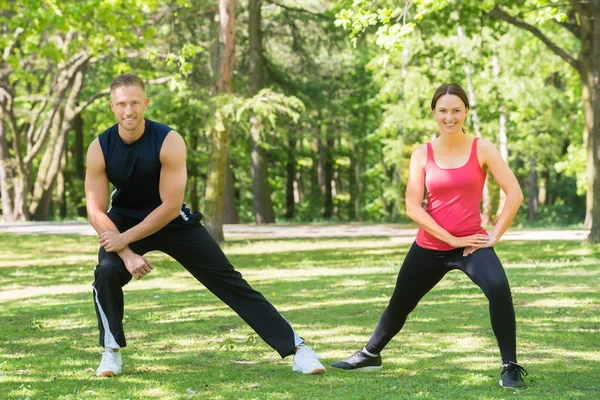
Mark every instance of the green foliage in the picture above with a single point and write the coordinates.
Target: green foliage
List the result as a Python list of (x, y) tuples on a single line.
[(268, 105), (574, 165), (348, 81)]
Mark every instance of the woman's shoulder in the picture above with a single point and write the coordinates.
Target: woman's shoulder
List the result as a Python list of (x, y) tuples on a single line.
[(420, 151), (419, 156), (485, 144), (486, 150)]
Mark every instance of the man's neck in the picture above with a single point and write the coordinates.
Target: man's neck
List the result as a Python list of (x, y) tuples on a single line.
[(131, 136)]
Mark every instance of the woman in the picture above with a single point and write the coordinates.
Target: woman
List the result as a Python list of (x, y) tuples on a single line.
[(453, 167)]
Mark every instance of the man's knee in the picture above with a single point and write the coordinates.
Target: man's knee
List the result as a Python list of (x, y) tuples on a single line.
[(109, 269)]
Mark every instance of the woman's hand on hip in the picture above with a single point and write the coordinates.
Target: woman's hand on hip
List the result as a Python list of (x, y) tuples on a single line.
[(476, 240), (491, 242)]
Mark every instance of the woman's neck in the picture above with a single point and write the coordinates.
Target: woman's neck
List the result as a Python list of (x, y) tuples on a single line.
[(450, 141)]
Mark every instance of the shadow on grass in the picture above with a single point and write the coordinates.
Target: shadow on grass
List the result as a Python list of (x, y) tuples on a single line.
[(181, 337)]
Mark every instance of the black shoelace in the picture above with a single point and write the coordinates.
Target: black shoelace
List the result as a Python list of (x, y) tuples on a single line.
[(357, 356), (515, 370)]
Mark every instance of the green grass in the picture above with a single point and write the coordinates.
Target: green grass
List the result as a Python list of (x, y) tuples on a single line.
[(332, 291)]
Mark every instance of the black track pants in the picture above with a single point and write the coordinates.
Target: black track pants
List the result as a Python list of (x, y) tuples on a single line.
[(193, 247), (422, 269)]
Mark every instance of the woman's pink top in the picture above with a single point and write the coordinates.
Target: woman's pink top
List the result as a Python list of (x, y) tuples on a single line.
[(453, 199)]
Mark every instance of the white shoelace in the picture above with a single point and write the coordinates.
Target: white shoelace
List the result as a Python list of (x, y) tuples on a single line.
[(310, 353)]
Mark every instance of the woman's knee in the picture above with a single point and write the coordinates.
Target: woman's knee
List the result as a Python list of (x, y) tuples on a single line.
[(498, 288)]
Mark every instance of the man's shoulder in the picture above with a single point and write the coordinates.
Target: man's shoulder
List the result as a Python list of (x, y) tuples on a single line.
[(159, 127), (107, 131)]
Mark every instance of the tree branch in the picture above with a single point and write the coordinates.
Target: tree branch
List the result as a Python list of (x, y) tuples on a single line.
[(571, 27), (582, 8), (8, 49), (520, 23), (62, 83), (300, 10), (104, 92)]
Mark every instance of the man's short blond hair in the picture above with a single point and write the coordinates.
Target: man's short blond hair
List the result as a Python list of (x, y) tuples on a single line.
[(127, 80)]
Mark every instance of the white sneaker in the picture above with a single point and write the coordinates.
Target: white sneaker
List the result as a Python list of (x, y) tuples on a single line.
[(306, 361), (111, 363)]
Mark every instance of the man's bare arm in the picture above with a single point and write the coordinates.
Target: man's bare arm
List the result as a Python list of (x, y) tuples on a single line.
[(173, 179), (96, 196)]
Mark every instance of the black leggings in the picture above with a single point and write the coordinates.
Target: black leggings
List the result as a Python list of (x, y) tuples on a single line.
[(191, 245), (422, 269)]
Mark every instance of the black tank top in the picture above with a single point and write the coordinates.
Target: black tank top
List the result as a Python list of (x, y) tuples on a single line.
[(134, 171)]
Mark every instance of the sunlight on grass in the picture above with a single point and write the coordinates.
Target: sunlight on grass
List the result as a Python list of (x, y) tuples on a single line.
[(281, 246), (143, 285), (556, 303), (84, 259), (588, 355), (180, 336), (545, 289), (319, 304), (467, 344)]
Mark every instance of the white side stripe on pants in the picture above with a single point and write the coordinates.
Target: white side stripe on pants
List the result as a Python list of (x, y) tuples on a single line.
[(109, 339)]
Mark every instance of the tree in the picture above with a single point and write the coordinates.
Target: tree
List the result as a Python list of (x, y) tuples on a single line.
[(579, 18), (261, 192), (215, 186), (582, 20), (47, 52)]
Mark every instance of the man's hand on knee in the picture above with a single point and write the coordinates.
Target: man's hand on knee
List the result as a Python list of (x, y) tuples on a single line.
[(113, 241), (138, 266)]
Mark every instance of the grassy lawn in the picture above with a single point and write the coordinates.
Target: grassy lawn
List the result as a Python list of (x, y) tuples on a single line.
[(185, 344)]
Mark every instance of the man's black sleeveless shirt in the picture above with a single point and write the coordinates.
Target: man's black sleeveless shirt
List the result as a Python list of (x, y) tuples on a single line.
[(134, 170)]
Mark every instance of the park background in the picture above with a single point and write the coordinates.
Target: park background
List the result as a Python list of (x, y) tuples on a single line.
[(301, 112)]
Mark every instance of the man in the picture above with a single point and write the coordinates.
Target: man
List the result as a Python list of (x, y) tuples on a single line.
[(145, 161)]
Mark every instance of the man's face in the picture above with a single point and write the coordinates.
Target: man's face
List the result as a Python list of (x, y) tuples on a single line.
[(129, 103)]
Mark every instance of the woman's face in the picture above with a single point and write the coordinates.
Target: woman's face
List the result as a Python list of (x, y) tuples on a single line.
[(450, 113)]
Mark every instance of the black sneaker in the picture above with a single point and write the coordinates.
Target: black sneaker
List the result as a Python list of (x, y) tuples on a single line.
[(511, 375), (359, 360)]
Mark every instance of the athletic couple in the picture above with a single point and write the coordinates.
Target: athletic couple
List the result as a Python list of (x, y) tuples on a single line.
[(145, 162)]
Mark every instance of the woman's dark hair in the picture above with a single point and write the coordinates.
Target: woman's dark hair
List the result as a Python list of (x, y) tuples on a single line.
[(449, 88)]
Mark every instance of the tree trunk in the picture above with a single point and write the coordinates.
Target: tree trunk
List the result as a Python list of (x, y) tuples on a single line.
[(314, 190), (13, 172), (231, 215), (61, 127), (357, 182), (322, 154), (215, 185), (532, 198), (263, 207), (61, 198), (486, 215), (326, 163), (503, 148), (588, 114), (194, 196), (7, 192), (78, 152), (593, 79), (352, 185), (290, 178), (194, 204), (503, 142), (587, 25), (261, 191), (48, 173), (542, 189)]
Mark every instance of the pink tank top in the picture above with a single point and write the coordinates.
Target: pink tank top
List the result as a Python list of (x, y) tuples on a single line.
[(453, 199)]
